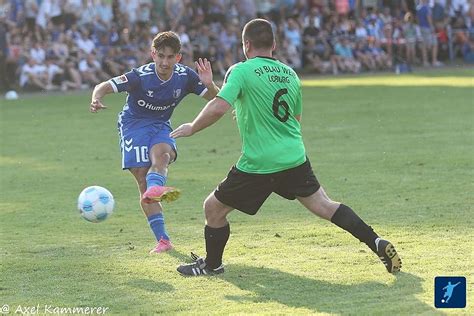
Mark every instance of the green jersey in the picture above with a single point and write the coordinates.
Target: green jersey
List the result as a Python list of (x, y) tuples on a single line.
[(266, 95)]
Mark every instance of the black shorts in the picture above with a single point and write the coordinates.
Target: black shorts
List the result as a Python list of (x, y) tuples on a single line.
[(246, 192)]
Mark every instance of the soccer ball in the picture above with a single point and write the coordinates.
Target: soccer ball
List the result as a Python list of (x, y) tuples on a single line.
[(11, 95), (95, 203)]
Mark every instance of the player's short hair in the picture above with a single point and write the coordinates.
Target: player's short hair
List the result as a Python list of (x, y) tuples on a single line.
[(167, 39), (259, 33)]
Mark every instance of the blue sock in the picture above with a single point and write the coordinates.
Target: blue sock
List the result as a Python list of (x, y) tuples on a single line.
[(157, 225), (153, 178)]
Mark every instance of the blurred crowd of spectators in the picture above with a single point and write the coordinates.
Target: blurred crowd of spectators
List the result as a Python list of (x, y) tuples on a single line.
[(75, 44)]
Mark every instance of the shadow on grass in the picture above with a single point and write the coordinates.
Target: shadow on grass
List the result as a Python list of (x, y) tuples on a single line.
[(150, 285), (180, 256), (270, 285)]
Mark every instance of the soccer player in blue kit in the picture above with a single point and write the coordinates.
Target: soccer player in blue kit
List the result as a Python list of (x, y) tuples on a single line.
[(154, 90)]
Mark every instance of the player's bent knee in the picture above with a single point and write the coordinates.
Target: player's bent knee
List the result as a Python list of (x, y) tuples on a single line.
[(166, 157), (209, 204), (213, 209), (163, 159)]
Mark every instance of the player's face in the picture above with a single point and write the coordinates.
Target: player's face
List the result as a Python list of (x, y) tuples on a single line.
[(165, 59)]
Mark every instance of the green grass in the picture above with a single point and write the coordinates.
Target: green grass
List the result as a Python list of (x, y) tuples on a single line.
[(398, 149)]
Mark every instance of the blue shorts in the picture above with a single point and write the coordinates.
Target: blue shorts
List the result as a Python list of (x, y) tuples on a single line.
[(136, 141)]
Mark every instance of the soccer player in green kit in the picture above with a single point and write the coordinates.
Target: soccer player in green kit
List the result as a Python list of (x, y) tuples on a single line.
[(266, 97)]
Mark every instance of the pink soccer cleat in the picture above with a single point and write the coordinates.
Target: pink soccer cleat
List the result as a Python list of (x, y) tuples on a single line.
[(158, 193), (162, 246)]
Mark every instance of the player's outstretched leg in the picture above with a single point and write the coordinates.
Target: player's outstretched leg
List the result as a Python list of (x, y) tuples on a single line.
[(344, 217), (348, 220), (388, 255), (159, 194), (156, 177), (153, 213), (199, 267)]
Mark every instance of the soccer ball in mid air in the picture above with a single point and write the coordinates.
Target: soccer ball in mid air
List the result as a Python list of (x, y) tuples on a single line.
[(95, 203)]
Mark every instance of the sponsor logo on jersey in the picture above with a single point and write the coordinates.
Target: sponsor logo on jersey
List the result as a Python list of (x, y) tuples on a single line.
[(152, 107), (121, 79)]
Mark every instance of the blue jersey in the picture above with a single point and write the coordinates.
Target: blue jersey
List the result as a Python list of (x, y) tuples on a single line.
[(152, 100)]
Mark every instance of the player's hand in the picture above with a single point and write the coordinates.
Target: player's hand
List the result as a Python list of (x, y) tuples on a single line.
[(96, 105), (204, 70), (183, 130)]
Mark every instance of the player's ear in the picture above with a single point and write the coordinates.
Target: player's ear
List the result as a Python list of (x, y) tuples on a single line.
[(178, 57), (152, 53)]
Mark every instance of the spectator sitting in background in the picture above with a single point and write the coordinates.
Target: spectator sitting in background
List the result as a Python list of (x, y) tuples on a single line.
[(129, 57), (110, 64), (362, 54), (382, 59), (460, 33), (310, 30), (59, 48), (85, 43), (34, 76), (322, 47), (344, 57), (361, 31), (91, 70), (311, 58), (73, 75), (468, 51), (292, 54), (38, 53), (57, 76), (216, 57)]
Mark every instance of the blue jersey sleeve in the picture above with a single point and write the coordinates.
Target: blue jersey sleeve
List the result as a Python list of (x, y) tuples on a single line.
[(194, 83), (126, 82)]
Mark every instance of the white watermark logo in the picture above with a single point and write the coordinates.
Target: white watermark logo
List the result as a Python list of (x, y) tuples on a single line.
[(53, 310), (5, 309)]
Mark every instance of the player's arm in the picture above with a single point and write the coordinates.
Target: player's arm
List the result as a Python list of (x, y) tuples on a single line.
[(204, 69), (212, 91), (99, 92), (299, 106), (210, 114), (126, 82)]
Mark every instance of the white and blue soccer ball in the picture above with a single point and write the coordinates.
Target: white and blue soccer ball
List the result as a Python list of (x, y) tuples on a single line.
[(11, 95), (95, 203)]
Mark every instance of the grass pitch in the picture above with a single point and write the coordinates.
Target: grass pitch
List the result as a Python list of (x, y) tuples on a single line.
[(397, 149)]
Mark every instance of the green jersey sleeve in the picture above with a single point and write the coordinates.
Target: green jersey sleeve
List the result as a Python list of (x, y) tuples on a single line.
[(298, 105), (233, 85)]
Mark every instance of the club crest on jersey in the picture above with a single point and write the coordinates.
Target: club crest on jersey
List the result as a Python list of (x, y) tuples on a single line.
[(121, 79), (150, 93), (176, 93)]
